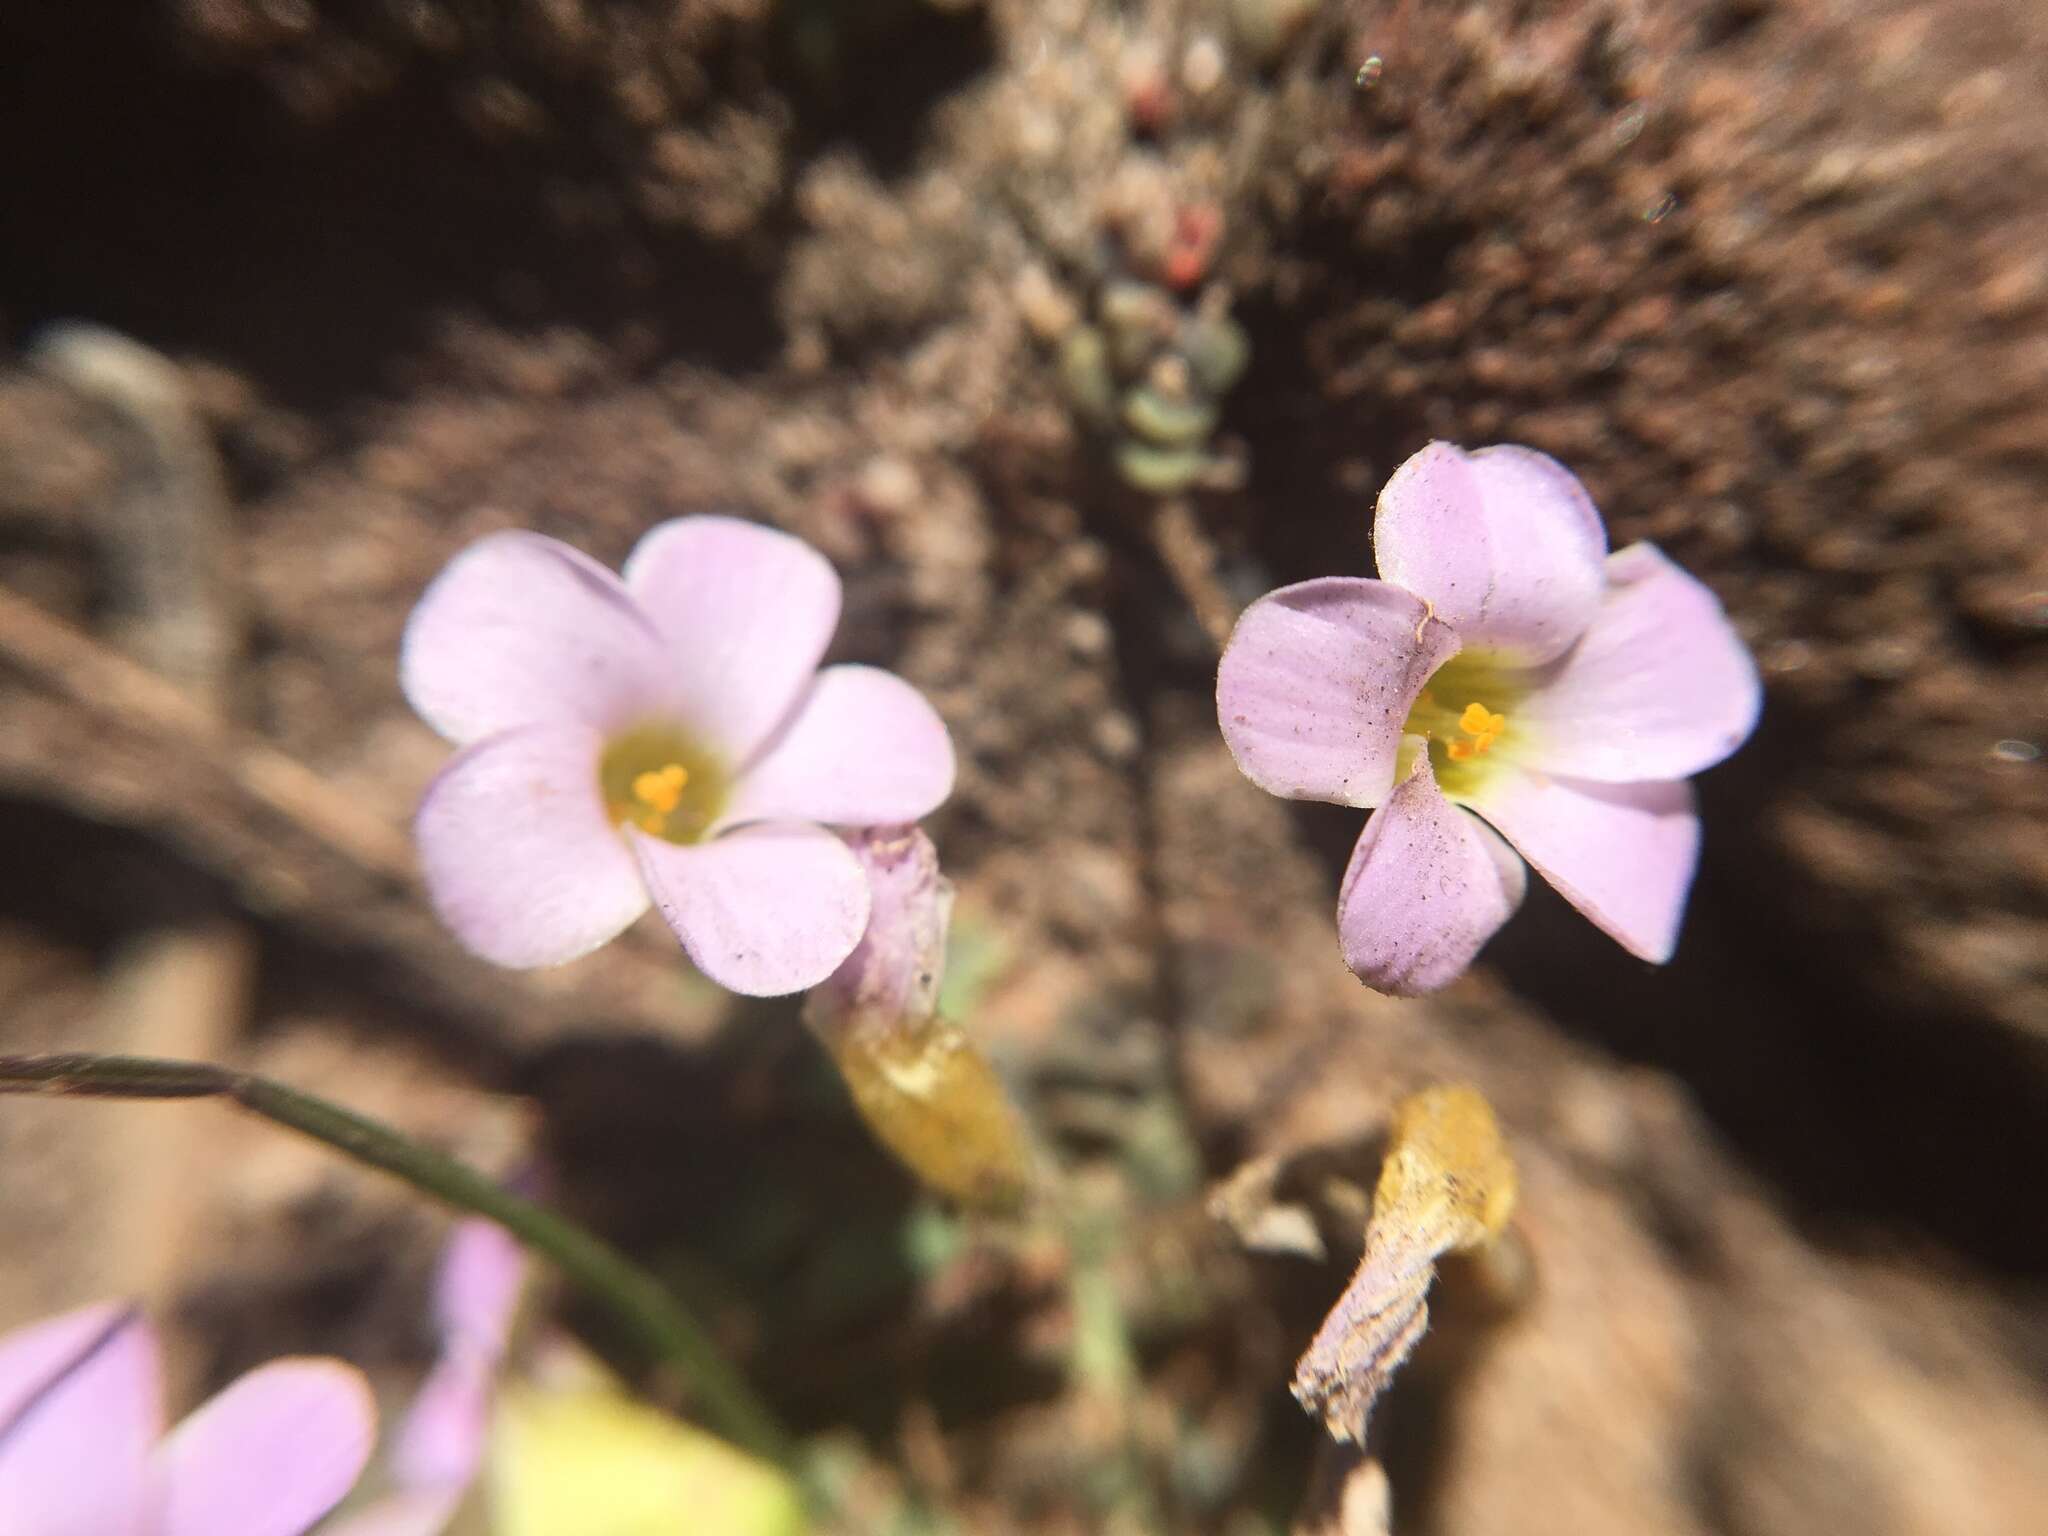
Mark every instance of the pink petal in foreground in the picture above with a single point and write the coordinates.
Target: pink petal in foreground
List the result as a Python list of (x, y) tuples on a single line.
[(483, 1270), (439, 1447), (1659, 687), (519, 857), (270, 1455), (1505, 542), (1316, 682), (74, 1451), (1623, 854), (863, 749), (765, 910), (440, 1444), (745, 612), (34, 1357), (521, 629), (1428, 884)]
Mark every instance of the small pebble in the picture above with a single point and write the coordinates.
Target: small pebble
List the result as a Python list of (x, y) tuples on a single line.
[(1088, 635), (1116, 736), (1171, 376), (1202, 66), (889, 484), (1047, 307)]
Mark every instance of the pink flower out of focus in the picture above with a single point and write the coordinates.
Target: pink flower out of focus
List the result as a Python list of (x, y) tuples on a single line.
[(1507, 665), (665, 735), (83, 1453), (440, 1445)]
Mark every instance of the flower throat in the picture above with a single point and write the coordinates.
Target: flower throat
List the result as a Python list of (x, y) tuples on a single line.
[(657, 779), (1465, 718)]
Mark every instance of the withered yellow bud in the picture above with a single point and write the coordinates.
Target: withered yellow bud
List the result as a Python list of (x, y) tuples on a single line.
[(922, 1085), (1447, 1171), (1447, 1184)]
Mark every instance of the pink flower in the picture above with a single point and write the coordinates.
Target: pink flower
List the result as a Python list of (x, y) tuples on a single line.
[(82, 1450), (1507, 665), (439, 1448), (668, 735)]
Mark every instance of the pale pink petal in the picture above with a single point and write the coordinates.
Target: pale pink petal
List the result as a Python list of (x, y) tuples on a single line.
[(402, 1514), (522, 629), (519, 857), (1623, 854), (746, 612), (483, 1270), (863, 749), (74, 1447), (271, 1454), (764, 910), (1428, 884), (1316, 682), (1505, 542), (441, 1442), (1660, 687), (33, 1357)]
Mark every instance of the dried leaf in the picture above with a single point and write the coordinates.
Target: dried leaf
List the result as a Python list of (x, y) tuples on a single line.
[(1447, 1185)]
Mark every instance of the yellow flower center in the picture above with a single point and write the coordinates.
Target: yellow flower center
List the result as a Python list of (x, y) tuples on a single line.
[(655, 778), (1456, 719), (661, 790), (1482, 728)]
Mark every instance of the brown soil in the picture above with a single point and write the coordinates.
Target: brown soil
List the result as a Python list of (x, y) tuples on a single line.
[(1767, 273)]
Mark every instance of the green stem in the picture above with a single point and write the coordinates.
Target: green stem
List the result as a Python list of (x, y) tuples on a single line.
[(642, 1302)]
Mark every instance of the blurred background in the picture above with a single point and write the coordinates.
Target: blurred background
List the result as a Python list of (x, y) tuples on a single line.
[(1064, 329)]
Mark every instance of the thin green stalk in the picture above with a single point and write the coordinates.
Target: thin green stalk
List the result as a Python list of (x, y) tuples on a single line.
[(640, 1301)]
